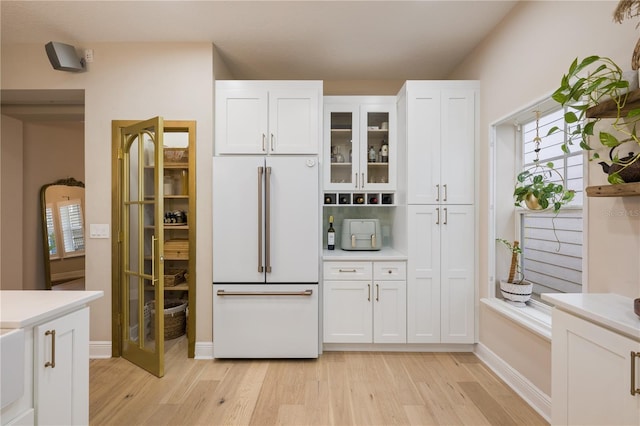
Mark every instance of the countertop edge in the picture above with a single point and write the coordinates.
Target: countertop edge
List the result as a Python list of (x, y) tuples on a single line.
[(610, 310), (384, 254), (72, 303)]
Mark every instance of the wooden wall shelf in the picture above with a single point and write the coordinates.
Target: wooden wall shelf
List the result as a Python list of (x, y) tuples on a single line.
[(619, 190), (607, 109)]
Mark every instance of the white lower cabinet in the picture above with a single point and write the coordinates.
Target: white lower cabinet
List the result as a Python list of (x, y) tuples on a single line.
[(441, 274), (593, 373), (61, 384), (364, 302)]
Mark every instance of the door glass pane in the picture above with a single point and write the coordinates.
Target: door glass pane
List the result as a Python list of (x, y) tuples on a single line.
[(149, 320), (341, 147), (134, 298), (378, 147), (133, 168)]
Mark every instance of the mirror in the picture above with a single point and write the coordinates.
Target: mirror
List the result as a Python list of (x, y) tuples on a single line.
[(62, 207)]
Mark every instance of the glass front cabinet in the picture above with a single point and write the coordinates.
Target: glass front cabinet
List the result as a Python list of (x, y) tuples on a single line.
[(359, 146)]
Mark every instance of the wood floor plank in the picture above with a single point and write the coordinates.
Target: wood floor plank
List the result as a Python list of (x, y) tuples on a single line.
[(339, 388)]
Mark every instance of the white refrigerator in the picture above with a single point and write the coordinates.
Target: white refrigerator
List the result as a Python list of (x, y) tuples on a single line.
[(265, 256)]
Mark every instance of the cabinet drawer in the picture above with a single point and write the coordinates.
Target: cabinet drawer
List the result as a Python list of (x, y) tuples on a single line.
[(389, 271), (347, 270)]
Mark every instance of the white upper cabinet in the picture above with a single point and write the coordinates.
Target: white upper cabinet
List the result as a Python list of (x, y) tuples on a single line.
[(441, 136), (263, 117), (360, 143)]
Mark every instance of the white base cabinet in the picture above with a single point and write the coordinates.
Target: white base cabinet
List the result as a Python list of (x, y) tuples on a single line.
[(62, 370), (593, 373), (364, 302), (56, 356)]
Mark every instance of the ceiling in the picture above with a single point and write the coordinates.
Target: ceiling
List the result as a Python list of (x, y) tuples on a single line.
[(324, 40)]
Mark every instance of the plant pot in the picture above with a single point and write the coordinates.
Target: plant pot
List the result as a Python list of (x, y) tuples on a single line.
[(531, 201), (516, 294)]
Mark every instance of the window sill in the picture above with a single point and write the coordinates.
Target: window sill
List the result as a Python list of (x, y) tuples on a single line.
[(536, 320)]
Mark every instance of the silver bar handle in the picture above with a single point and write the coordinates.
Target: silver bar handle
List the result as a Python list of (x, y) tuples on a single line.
[(634, 391), (264, 293), (438, 216), (369, 292), (271, 141), (446, 216), (260, 173), (267, 215), (438, 192), (264, 147), (362, 180), (346, 270), (377, 292), (356, 176), (445, 192), (51, 363)]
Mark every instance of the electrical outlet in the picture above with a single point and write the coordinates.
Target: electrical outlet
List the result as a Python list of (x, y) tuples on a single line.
[(88, 55)]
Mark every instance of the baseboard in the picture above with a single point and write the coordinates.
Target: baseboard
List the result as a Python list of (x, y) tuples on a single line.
[(100, 350), (399, 347), (204, 350), (538, 400)]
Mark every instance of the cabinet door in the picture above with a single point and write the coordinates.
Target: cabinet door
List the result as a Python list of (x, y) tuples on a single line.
[(389, 312), (377, 147), (591, 376), (347, 312), (62, 370), (423, 146), (423, 285), (457, 286), (341, 147), (294, 121), (241, 120), (457, 146)]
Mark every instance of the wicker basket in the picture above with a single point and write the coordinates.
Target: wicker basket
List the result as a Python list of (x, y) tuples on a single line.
[(175, 318)]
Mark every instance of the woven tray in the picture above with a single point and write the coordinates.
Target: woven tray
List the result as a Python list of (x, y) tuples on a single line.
[(173, 277)]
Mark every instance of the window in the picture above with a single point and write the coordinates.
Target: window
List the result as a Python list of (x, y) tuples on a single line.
[(552, 244)]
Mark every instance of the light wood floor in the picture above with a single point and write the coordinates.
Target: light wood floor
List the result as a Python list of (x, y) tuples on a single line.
[(340, 388)]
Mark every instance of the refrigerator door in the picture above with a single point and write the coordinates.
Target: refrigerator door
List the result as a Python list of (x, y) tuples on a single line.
[(238, 220), (291, 219)]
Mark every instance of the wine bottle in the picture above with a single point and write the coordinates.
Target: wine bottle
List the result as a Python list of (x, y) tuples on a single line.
[(331, 235)]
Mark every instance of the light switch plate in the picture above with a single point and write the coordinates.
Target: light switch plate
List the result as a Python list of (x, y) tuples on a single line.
[(99, 230)]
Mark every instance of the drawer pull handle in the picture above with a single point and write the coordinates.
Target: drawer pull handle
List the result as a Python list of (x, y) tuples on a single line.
[(368, 292), (265, 293), (377, 292), (634, 390), (347, 270), (51, 363)]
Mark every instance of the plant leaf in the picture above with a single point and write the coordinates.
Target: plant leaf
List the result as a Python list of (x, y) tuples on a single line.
[(607, 139)]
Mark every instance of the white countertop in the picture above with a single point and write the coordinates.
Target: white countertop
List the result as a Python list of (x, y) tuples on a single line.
[(24, 308), (385, 253), (607, 309)]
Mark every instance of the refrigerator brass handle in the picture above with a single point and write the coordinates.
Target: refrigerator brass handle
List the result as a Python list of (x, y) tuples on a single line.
[(369, 292), (51, 363), (264, 293), (445, 192), (634, 390), (271, 142), (260, 173), (267, 218), (438, 192), (377, 292), (446, 216), (264, 147), (438, 216)]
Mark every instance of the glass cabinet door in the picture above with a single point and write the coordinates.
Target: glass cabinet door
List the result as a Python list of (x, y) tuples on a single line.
[(342, 148), (375, 148)]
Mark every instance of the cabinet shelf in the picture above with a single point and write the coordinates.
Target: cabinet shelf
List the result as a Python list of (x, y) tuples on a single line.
[(619, 190), (608, 109)]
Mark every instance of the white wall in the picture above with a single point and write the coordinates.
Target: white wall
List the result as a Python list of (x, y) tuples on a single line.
[(522, 61), (131, 81)]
